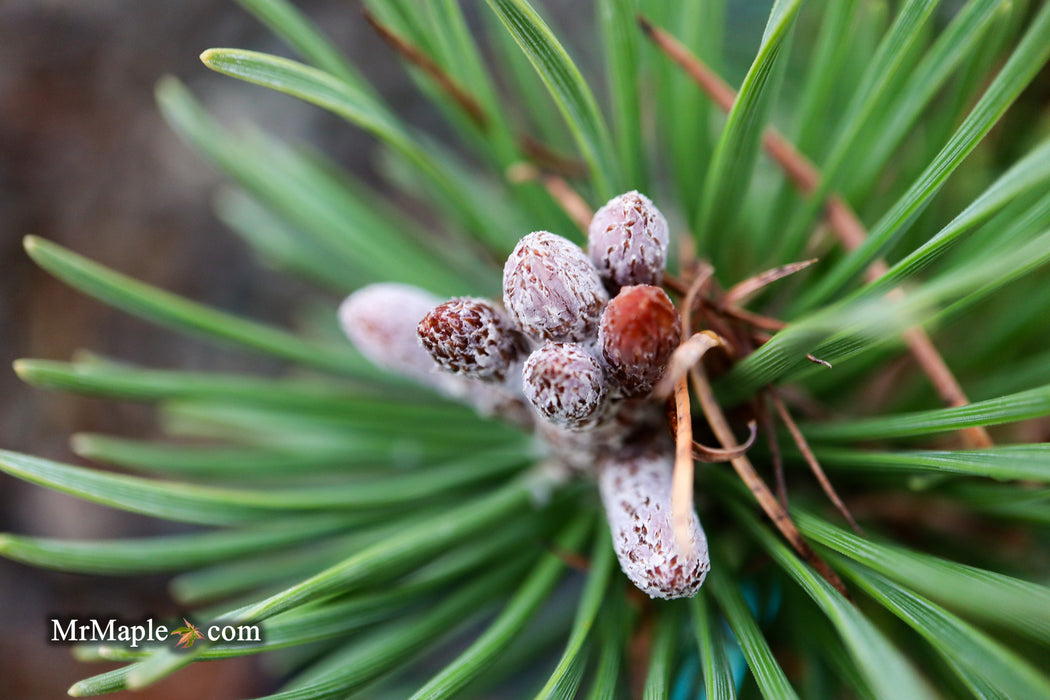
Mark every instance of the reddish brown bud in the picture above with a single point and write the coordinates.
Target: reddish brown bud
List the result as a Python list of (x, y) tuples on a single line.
[(628, 239), (551, 289), (638, 332), (565, 384), (636, 493), (469, 336)]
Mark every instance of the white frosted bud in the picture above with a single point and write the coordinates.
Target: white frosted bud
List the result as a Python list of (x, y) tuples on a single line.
[(565, 384), (470, 336), (639, 330), (628, 239), (636, 492), (381, 321), (552, 290)]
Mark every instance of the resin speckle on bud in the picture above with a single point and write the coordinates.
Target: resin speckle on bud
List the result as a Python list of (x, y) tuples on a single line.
[(470, 336), (381, 321), (565, 383), (636, 492), (552, 290), (639, 330), (628, 240)]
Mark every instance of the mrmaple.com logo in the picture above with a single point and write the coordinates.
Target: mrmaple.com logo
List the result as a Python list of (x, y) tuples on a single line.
[(112, 631)]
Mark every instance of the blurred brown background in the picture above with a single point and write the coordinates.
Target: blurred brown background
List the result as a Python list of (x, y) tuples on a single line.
[(87, 161)]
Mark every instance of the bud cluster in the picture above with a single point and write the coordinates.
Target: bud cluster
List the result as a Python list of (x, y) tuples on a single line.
[(566, 359)]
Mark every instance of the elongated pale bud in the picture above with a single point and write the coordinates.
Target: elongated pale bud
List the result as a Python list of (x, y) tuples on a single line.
[(636, 492), (628, 239), (565, 383), (381, 321), (639, 330), (470, 336), (552, 290)]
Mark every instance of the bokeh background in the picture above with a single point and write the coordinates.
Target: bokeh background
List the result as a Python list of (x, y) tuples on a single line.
[(87, 161)]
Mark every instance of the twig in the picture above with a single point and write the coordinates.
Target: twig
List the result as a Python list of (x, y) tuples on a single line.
[(811, 460), (733, 343), (685, 356), (817, 361), (767, 323), (640, 646), (682, 479), (675, 285), (774, 450), (944, 382), (420, 60), (702, 276), (844, 223), (549, 159), (746, 471), (688, 353), (740, 291), (723, 95), (714, 455), (571, 559), (560, 191)]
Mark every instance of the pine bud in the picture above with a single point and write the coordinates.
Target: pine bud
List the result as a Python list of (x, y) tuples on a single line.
[(551, 289), (628, 239), (636, 493), (565, 384), (470, 336), (381, 321), (638, 332)]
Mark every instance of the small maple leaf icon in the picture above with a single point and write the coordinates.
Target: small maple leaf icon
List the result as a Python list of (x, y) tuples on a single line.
[(187, 635)]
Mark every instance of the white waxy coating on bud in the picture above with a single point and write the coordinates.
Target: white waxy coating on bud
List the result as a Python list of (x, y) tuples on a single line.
[(628, 239), (381, 319), (470, 336), (636, 493), (565, 384), (552, 290)]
